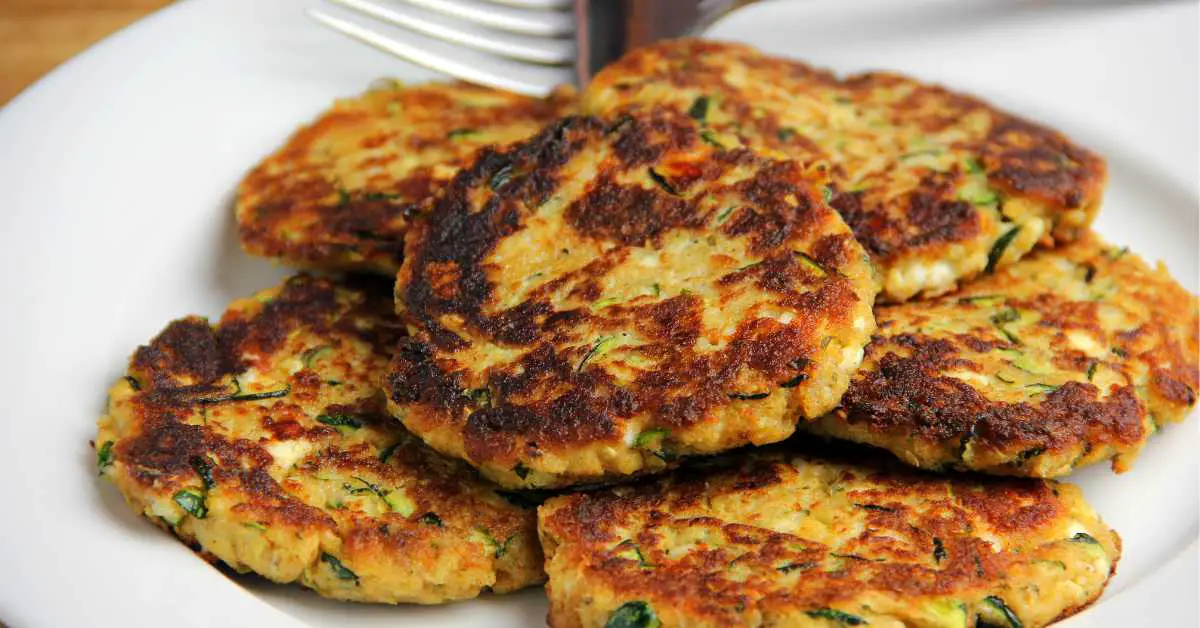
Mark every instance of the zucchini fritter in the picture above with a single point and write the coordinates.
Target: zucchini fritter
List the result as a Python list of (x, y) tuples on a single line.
[(613, 294), (1066, 358), (783, 538), (340, 193), (263, 442), (938, 186)]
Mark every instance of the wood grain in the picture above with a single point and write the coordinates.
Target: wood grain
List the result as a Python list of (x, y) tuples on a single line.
[(38, 35)]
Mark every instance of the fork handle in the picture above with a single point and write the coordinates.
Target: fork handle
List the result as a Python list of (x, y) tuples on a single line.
[(607, 29)]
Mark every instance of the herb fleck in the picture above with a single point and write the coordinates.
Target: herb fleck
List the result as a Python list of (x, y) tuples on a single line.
[(338, 568)]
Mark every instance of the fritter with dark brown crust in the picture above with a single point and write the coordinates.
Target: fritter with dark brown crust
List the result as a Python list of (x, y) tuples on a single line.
[(611, 295), (340, 193), (784, 538), (1066, 358), (937, 185), (263, 443)]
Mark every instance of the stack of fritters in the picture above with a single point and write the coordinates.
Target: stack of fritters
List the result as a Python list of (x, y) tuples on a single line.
[(685, 262)]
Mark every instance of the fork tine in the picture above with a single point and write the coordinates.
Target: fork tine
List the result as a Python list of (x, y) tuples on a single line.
[(536, 4), (523, 21), (540, 50), (537, 82)]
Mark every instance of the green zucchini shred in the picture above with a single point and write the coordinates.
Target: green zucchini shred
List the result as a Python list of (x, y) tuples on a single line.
[(463, 132), (367, 487), (1084, 537), (637, 553), (858, 558), (792, 382), (501, 177), (814, 265), (662, 182), (921, 153), (984, 299), (699, 108), (748, 396), (1008, 335), (785, 133), (939, 550), (998, 249), (133, 383), (192, 502), (986, 197), (312, 354), (650, 436), (104, 456), (499, 548), (339, 421), (431, 518), (1029, 454), (387, 453), (1042, 388), (521, 470), (710, 138), (841, 617), (795, 566), (238, 395), (267, 394), (378, 196), (203, 469), (339, 570), (635, 614), (598, 348), (1004, 610), (481, 396), (1007, 315)]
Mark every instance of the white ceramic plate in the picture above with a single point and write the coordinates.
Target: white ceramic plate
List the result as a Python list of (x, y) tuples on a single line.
[(116, 174)]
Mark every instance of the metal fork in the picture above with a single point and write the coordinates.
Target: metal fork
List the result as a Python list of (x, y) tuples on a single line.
[(526, 46)]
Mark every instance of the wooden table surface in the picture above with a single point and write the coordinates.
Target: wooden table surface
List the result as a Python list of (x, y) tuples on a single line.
[(37, 35)]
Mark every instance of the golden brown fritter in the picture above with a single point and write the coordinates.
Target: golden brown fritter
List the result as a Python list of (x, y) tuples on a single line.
[(781, 537), (1066, 358), (938, 186), (340, 193), (263, 443), (613, 294)]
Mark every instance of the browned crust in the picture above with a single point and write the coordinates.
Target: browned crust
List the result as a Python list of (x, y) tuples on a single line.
[(545, 400), (1112, 572), (895, 219), (180, 418), (903, 394), (912, 395), (911, 518), (294, 206)]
